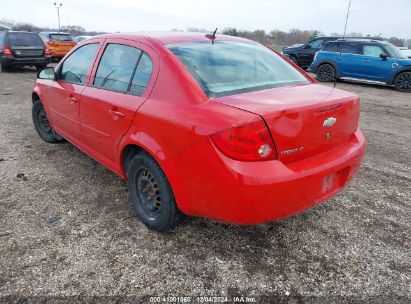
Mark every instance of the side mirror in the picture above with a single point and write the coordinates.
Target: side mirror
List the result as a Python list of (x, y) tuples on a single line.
[(47, 73), (307, 46), (383, 56)]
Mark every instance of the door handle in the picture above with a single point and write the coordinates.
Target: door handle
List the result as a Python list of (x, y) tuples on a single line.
[(72, 99), (367, 60), (116, 114)]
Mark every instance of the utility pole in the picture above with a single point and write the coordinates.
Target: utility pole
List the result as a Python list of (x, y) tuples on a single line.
[(58, 7)]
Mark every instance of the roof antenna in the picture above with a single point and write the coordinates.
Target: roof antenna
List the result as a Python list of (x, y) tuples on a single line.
[(345, 30), (212, 36)]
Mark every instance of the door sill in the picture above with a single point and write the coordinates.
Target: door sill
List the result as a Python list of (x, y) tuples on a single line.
[(364, 81)]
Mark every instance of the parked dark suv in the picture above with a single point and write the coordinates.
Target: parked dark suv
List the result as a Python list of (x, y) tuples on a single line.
[(18, 48), (303, 55)]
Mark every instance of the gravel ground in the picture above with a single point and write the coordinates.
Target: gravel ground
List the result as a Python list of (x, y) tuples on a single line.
[(68, 231)]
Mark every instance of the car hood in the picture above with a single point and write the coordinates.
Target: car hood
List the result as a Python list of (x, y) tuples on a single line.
[(405, 61), (290, 49)]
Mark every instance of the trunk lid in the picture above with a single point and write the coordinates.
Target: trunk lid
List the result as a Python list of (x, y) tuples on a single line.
[(304, 120), (62, 45), (27, 51)]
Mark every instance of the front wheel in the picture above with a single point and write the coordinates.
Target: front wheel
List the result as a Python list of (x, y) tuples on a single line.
[(293, 60), (325, 73), (42, 124), (403, 82), (151, 194), (40, 66)]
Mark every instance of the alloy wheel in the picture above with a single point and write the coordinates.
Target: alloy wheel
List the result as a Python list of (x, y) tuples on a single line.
[(403, 82), (325, 72)]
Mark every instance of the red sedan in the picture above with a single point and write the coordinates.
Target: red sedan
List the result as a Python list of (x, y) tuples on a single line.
[(218, 127)]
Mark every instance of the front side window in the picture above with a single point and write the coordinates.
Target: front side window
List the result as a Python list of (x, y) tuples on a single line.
[(316, 44), (116, 67), (372, 50), (350, 48), (76, 66), (142, 75), (332, 47), (226, 68)]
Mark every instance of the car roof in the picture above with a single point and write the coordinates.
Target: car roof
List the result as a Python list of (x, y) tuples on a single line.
[(21, 32), (362, 40), (172, 37), (54, 33)]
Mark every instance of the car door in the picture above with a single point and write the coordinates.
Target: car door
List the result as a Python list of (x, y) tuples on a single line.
[(119, 86), (374, 67), (307, 52), (64, 97), (349, 59)]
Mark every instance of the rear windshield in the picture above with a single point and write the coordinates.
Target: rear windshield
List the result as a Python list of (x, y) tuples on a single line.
[(25, 39), (227, 68), (60, 37)]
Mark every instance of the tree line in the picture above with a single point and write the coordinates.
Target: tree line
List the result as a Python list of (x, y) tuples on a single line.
[(275, 38)]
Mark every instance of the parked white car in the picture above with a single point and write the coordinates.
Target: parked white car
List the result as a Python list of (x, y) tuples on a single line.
[(81, 38)]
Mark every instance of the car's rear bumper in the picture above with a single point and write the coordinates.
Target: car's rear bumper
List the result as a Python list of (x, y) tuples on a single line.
[(255, 192), (10, 61)]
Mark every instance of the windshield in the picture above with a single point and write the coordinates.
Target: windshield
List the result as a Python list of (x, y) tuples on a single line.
[(395, 52), (25, 39), (226, 68), (60, 37)]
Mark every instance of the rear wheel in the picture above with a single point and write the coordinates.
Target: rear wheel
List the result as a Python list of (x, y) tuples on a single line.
[(42, 124), (325, 73), (151, 194), (3, 67), (403, 82)]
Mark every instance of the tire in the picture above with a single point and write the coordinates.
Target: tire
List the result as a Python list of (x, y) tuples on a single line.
[(325, 73), (3, 67), (40, 66), (293, 59), (403, 82), (42, 124), (151, 194)]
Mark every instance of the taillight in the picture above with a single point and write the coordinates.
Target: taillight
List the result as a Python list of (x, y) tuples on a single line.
[(6, 51), (46, 51), (249, 142)]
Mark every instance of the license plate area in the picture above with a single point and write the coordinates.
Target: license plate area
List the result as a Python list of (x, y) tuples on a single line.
[(334, 181)]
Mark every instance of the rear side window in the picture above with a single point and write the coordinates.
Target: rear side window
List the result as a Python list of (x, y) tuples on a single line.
[(350, 48), (116, 67), (372, 50), (76, 66), (142, 75), (24, 39), (60, 37), (2, 35), (332, 47)]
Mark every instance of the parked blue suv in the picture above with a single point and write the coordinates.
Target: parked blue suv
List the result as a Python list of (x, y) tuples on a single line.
[(371, 61)]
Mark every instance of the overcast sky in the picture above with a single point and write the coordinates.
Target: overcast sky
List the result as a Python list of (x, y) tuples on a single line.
[(388, 17)]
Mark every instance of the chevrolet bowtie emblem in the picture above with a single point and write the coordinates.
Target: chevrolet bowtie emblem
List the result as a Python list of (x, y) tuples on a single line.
[(329, 122)]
